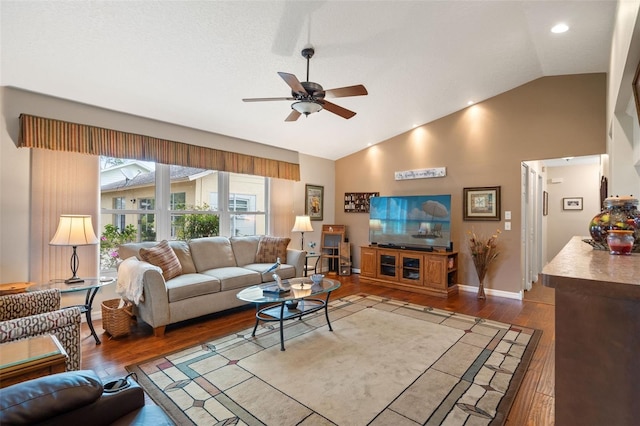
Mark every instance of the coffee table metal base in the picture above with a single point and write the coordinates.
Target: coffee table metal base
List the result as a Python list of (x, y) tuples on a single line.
[(279, 312)]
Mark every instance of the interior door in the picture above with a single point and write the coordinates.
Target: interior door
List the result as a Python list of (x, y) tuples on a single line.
[(524, 227)]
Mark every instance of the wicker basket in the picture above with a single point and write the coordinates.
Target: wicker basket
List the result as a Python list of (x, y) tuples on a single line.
[(116, 320)]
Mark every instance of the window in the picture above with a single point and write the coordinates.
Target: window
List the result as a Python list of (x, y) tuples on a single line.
[(155, 201), (119, 220), (146, 221)]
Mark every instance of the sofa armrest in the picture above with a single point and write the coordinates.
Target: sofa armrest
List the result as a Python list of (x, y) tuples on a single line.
[(67, 398), (107, 409), (297, 258), (44, 398), (63, 323), (154, 310)]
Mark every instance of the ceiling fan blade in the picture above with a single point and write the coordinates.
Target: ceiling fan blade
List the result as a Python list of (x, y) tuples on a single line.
[(341, 92), (293, 82), (337, 109), (267, 99), (293, 116)]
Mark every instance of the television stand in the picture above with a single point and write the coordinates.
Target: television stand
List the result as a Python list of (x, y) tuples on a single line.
[(434, 273)]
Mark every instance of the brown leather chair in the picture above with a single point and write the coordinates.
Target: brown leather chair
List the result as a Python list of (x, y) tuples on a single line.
[(76, 397)]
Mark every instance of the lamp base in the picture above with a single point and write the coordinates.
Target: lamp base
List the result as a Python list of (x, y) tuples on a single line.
[(73, 280)]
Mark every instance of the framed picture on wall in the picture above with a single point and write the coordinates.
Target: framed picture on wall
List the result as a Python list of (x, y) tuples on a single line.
[(314, 201), (481, 203), (358, 202), (572, 203)]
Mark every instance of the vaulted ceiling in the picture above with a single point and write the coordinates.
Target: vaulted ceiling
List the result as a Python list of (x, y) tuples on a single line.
[(192, 62)]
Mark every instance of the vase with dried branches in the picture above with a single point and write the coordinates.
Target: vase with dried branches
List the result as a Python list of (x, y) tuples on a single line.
[(484, 252)]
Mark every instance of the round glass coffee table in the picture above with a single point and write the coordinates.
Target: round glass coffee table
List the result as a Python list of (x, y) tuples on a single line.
[(301, 300), (91, 285)]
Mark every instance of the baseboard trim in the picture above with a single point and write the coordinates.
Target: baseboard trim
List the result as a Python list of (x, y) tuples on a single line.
[(491, 292), (473, 289)]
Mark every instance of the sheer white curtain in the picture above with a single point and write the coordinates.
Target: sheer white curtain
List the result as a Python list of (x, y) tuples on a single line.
[(61, 183)]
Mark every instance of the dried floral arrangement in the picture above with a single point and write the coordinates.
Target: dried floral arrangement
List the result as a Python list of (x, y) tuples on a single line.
[(484, 251)]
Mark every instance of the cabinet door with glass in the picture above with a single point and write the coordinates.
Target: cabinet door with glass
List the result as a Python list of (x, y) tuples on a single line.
[(411, 268), (388, 265)]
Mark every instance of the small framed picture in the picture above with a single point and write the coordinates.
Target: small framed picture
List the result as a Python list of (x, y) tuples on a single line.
[(314, 201), (481, 203), (572, 203)]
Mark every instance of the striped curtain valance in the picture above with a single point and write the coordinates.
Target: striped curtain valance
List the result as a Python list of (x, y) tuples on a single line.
[(58, 135)]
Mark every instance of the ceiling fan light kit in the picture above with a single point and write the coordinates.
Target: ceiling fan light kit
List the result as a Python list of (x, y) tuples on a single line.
[(309, 96), (306, 107)]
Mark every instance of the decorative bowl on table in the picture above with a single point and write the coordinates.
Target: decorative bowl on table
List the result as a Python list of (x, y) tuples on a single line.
[(317, 278)]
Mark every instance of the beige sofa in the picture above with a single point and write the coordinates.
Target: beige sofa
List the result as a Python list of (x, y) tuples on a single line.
[(214, 270)]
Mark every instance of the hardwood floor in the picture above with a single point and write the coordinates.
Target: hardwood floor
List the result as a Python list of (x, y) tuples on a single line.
[(534, 404)]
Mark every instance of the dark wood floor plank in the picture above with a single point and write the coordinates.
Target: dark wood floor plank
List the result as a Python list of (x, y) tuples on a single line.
[(534, 404)]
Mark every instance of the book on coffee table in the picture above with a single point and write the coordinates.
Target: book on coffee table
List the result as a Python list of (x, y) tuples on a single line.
[(274, 290)]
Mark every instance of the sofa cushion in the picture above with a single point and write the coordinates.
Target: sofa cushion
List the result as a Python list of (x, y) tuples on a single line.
[(37, 400), (163, 256), (182, 250), (272, 248), (233, 277), (245, 249), (285, 271), (186, 286), (212, 252)]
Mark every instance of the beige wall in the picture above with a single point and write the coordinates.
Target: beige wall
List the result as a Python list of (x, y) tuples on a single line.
[(482, 145), (314, 171), (623, 131)]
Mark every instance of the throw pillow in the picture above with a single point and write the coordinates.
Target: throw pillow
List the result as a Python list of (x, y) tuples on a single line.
[(272, 248), (163, 256)]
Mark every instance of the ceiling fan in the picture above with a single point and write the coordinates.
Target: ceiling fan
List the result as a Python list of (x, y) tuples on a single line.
[(309, 97)]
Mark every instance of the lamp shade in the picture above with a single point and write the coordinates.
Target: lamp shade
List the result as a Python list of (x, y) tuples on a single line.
[(306, 107), (74, 230), (303, 224)]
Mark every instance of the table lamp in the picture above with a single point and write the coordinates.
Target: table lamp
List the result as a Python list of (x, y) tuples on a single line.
[(302, 225), (74, 231)]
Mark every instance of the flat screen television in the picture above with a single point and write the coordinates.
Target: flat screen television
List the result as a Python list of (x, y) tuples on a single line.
[(411, 221)]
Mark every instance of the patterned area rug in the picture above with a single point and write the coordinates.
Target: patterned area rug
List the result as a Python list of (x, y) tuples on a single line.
[(387, 362)]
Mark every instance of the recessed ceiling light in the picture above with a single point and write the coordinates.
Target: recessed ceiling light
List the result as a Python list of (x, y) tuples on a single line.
[(414, 125), (470, 103), (369, 144), (560, 28)]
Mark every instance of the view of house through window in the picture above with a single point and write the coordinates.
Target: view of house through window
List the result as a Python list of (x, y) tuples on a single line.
[(142, 201)]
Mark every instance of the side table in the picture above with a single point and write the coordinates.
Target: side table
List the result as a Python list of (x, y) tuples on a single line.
[(29, 358), (91, 285), (315, 256), (13, 288)]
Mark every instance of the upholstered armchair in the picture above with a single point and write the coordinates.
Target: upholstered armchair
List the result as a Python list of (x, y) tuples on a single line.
[(31, 314)]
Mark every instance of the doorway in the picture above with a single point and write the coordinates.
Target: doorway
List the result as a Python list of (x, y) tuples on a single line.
[(545, 229)]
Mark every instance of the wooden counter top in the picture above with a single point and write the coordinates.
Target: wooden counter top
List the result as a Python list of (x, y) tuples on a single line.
[(579, 267)]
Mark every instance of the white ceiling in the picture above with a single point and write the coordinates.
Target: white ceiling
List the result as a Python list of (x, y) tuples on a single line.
[(191, 62)]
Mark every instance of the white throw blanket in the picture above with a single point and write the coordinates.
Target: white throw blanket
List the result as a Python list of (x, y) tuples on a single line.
[(130, 274)]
